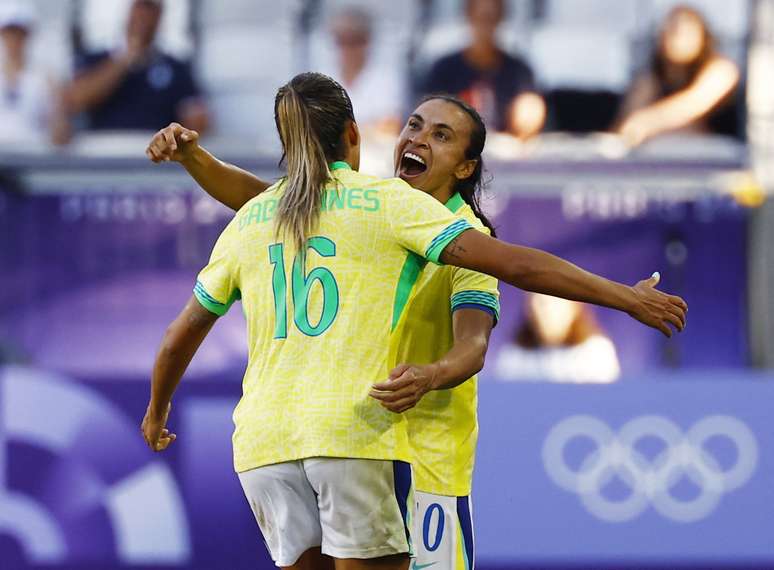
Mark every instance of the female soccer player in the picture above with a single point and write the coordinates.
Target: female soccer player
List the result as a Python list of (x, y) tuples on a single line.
[(446, 326), (319, 460)]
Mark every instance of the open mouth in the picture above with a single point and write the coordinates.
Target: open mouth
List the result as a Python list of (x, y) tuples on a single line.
[(412, 165)]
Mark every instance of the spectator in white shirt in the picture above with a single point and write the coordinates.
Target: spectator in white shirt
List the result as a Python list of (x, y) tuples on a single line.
[(377, 91), (30, 111), (558, 341)]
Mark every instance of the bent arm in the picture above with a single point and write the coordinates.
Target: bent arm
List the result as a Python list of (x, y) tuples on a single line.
[(181, 341), (541, 272), (408, 383), (465, 359), (713, 86), (96, 85), (228, 184)]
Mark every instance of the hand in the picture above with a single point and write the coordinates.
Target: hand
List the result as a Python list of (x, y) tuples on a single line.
[(657, 309), (154, 429), (406, 386), (173, 143), (637, 128)]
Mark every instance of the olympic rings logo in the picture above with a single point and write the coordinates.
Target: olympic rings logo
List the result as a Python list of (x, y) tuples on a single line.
[(650, 480)]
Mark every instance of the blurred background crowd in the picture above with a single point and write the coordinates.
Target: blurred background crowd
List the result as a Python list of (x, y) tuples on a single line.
[(637, 68), (629, 136)]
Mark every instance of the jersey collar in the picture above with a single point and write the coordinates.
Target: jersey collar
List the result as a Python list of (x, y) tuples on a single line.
[(339, 165), (455, 202)]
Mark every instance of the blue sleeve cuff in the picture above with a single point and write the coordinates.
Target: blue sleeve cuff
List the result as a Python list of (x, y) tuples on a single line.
[(477, 300)]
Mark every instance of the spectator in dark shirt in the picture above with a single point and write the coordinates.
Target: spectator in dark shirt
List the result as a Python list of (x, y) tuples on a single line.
[(137, 87), (501, 87), (688, 88)]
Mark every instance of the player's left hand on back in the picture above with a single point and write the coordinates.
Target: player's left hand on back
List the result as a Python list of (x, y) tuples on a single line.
[(154, 430), (405, 387), (656, 309)]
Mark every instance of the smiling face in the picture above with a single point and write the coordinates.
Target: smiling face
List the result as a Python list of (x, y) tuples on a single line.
[(430, 152)]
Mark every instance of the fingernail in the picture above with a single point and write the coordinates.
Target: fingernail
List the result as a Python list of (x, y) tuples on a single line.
[(656, 275)]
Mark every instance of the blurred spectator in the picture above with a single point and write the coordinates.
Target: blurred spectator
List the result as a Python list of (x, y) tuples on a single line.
[(688, 87), (558, 341), (501, 87), (30, 109), (137, 86), (377, 92)]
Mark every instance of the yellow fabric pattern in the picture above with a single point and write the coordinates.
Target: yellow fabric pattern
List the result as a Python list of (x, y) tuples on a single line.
[(443, 427), (319, 324)]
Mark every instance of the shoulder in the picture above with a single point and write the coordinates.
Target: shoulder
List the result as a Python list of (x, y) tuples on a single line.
[(447, 62), (466, 212), (271, 193)]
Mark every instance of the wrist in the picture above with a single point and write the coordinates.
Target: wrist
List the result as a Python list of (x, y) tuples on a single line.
[(436, 373), (195, 158), (631, 300), (157, 409)]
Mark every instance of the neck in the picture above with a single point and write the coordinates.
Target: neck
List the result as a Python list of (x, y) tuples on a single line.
[(350, 69), (353, 158), (442, 194), (483, 54)]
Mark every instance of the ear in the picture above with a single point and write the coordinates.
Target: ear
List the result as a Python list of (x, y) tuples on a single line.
[(465, 169), (353, 134)]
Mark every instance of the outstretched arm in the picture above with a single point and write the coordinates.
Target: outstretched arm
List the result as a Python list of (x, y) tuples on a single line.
[(408, 383), (713, 85), (228, 184), (535, 270), (180, 343)]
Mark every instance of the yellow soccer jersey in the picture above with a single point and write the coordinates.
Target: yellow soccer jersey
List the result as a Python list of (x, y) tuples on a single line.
[(443, 427), (319, 328)]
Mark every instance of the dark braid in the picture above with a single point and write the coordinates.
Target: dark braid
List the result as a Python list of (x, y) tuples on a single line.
[(471, 187)]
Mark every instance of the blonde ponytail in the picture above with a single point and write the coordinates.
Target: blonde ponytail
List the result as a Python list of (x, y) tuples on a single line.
[(299, 208)]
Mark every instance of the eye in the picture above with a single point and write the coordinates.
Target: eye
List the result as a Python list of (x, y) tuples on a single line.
[(441, 136), (413, 124)]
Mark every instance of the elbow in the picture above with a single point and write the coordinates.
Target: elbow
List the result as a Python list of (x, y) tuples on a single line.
[(520, 273), (482, 345)]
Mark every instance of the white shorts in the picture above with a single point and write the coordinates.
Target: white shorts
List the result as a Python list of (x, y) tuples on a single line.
[(443, 531), (352, 508)]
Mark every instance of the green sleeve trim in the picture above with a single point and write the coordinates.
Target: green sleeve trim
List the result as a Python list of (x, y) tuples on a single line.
[(412, 268), (210, 303), (440, 242), (483, 298)]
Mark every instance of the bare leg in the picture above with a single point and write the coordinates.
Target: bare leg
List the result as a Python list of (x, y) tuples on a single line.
[(313, 559), (394, 562)]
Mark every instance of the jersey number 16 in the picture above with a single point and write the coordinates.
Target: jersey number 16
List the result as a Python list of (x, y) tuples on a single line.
[(301, 287)]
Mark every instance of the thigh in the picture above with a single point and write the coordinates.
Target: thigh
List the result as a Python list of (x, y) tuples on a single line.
[(285, 507), (443, 532), (366, 506)]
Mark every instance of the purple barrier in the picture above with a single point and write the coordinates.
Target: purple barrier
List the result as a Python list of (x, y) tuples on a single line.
[(92, 279)]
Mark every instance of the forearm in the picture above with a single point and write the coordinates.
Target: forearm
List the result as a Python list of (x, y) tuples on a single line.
[(228, 184), (462, 362), (542, 272), (181, 341), (96, 85), (535, 270), (710, 89)]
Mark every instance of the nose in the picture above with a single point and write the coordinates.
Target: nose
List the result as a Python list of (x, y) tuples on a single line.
[(418, 138)]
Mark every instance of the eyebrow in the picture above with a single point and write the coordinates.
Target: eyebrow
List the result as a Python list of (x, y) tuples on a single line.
[(437, 125)]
